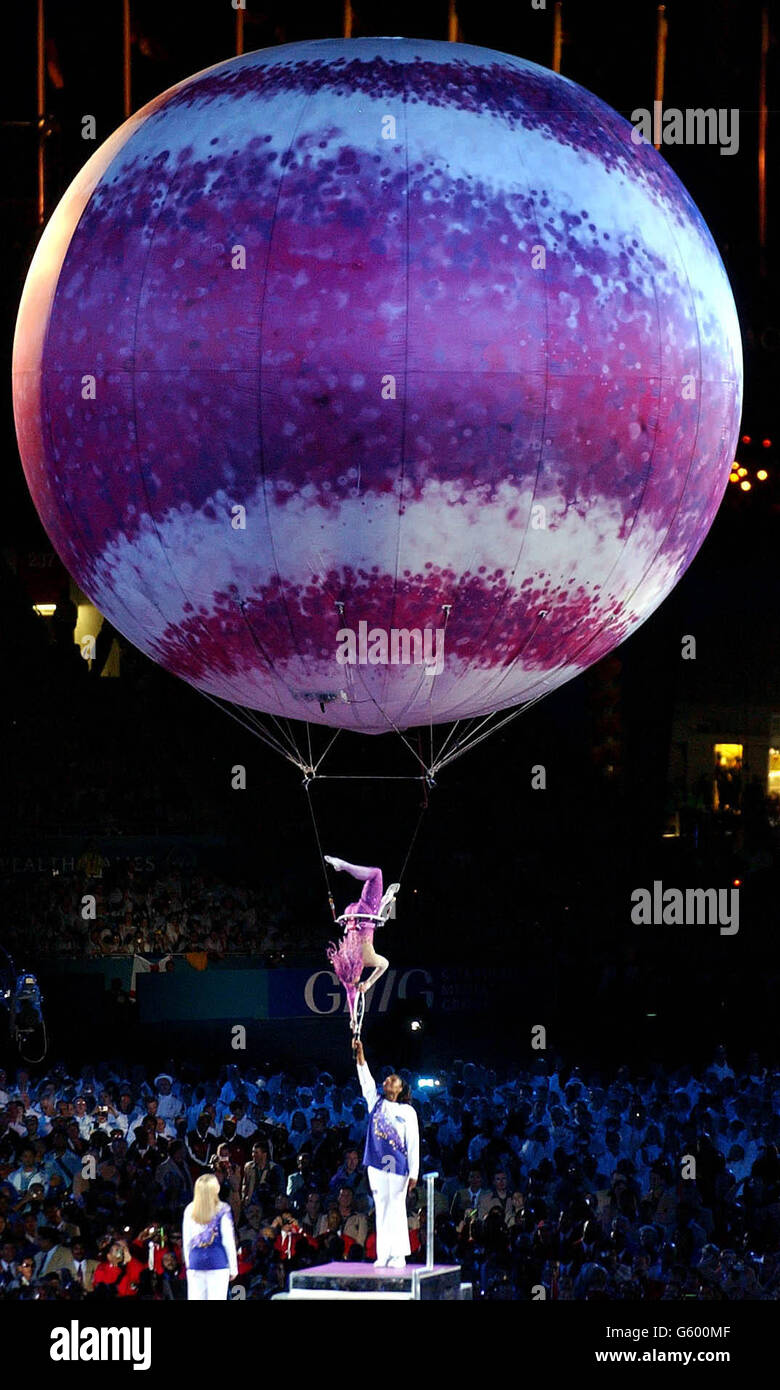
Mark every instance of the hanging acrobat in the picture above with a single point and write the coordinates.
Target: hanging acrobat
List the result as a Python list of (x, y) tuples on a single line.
[(355, 950)]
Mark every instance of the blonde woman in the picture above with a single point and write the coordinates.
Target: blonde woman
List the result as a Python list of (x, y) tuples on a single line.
[(209, 1242)]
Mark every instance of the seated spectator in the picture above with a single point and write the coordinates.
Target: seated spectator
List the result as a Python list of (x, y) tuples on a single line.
[(499, 1196), (246, 1127), (60, 1221), (353, 1225), (119, 1271), (287, 1233), (299, 1130), (144, 1151), (331, 1244), (313, 1220), (468, 1198), (79, 1265), (229, 1176), (201, 1145), (322, 1144), (300, 1181), (173, 1177), (27, 1173), (173, 1280), (353, 1175), (8, 1263), (126, 1115), (51, 1254), (25, 1276), (263, 1179)]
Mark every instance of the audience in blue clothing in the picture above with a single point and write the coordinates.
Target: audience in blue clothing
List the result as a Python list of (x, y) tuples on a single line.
[(608, 1186)]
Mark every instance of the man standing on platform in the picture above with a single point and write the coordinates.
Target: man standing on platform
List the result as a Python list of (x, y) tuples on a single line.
[(392, 1156)]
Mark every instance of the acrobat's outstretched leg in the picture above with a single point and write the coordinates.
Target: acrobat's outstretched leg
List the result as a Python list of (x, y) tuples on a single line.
[(371, 896), (380, 964)]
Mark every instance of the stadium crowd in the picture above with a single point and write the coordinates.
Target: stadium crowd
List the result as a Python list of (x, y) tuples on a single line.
[(139, 909), (658, 1187)]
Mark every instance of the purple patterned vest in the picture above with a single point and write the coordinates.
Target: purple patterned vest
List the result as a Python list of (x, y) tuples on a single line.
[(206, 1249), (386, 1146)]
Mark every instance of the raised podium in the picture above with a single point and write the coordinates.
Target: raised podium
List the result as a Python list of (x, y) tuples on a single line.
[(340, 1280)]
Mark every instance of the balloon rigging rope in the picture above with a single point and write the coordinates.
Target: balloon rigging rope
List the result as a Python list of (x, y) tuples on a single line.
[(369, 777), (324, 755), (257, 724), (253, 727), (435, 761), (269, 664), (471, 738), (471, 741), (423, 809), (307, 789)]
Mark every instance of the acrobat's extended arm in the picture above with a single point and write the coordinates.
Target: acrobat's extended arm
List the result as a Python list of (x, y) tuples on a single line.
[(367, 1083), (371, 896)]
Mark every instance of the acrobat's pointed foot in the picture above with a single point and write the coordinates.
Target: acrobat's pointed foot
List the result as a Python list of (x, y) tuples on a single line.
[(388, 898), (337, 864)]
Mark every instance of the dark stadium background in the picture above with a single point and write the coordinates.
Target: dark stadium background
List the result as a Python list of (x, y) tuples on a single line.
[(535, 882)]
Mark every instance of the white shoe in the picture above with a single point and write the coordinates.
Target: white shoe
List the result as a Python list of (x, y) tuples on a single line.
[(396, 1262), (387, 901)]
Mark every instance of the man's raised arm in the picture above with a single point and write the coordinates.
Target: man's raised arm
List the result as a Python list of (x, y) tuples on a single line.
[(365, 1078)]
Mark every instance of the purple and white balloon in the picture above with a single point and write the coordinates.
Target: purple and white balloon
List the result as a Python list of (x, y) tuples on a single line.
[(452, 340)]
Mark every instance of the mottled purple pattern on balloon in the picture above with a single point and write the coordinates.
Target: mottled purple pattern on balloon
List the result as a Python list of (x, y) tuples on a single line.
[(518, 385)]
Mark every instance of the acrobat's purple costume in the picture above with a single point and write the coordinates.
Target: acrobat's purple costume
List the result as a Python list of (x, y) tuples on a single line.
[(347, 958)]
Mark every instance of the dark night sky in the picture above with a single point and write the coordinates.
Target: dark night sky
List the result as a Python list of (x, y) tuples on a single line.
[(491, 852)]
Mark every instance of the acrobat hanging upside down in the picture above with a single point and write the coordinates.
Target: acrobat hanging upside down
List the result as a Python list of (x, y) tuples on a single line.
[(356, 947)]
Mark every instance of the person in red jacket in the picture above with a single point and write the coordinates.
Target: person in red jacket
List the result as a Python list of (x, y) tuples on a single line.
[(414, 1244), (333, 1234), (288, 1235), (120, 1269), (162, 1242)]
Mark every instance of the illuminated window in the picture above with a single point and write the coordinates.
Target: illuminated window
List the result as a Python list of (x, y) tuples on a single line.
[(773, 780), (727, 783)]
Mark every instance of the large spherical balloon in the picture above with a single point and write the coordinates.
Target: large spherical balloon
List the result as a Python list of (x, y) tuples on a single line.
[(463, 352)]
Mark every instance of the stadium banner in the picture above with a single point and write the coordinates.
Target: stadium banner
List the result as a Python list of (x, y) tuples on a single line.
[(189, 995), (193, 987), (87, 855), (316, 991)]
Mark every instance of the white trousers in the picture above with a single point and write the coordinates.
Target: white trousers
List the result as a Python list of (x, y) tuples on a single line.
[(392, 1231), (211, 1284)]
